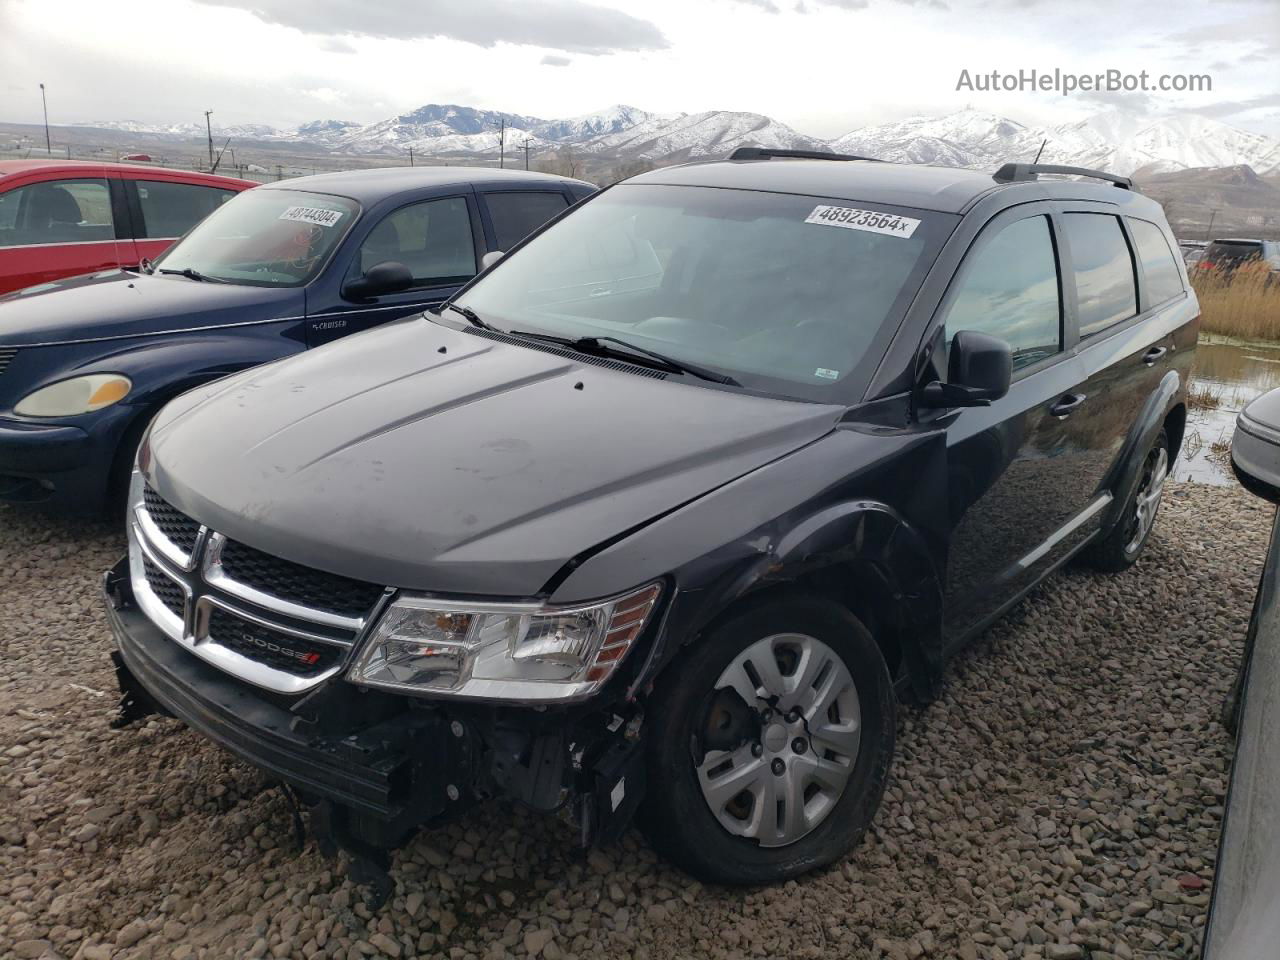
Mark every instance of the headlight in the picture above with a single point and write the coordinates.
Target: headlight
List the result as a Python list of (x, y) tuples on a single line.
[(502, 651), (69, 398)]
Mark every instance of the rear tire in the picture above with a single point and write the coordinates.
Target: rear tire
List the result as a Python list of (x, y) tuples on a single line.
[(1126, 541), (843, 734)]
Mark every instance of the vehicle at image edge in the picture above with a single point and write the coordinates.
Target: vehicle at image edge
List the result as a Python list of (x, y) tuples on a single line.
[(62, 218), (661, 515), (85, 363), (1242, 922), (1225, 256)]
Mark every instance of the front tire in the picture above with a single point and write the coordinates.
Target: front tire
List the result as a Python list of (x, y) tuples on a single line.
[(769, 743)]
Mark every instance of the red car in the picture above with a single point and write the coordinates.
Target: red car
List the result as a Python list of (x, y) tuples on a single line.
[(60, 218)]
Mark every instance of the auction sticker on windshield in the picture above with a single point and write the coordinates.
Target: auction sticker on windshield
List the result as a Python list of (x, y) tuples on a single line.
[(873, 221), (316, 215)]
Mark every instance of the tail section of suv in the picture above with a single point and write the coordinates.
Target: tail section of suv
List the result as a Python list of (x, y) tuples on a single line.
[(658, 517)]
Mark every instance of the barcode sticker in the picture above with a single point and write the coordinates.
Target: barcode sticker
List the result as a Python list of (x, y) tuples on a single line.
[(317, 215), (873, 221)]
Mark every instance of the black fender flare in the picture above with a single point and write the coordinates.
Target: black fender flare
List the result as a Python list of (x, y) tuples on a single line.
[(863, 548), (1126, 470)]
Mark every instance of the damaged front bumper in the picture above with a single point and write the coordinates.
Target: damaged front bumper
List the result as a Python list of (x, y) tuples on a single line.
[(373, 766)]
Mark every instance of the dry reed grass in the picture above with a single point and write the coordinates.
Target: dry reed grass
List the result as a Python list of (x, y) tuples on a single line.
[(1244, 305)]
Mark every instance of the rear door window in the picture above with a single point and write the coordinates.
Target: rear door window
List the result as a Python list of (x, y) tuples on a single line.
[(516, 215), (56, 211), (171, 209), (1159, 268), (433, 239), (1105, 289), (1009, 289)]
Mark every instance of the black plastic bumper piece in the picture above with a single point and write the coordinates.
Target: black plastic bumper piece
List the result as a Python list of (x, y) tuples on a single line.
[(399, 773)]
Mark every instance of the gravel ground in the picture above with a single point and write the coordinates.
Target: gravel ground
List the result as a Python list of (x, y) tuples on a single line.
[(1061, 801)]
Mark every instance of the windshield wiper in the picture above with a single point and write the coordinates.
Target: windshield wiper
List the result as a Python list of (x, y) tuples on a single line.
[(192, 274), (598, 345), (472, 317)]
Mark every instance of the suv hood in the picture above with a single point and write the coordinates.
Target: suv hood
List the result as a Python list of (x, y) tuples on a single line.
[(430, 458), (116, 303)]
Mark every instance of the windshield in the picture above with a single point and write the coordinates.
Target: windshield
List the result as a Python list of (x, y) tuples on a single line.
[(267, 238), (786, 294)]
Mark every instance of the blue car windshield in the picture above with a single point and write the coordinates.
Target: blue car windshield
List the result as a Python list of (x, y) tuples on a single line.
[(266, 238), (789, 295)]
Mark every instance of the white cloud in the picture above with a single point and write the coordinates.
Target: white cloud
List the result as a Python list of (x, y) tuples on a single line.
[(560, 24)]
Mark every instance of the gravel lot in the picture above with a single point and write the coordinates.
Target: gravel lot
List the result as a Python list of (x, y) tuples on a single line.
[(1061, 801)]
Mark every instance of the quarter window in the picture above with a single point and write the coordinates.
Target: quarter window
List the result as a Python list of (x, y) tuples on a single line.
[(516, 215), (1009, 290), (1159, 268), (433, 239), (56, 211), (1105, 288), (171, 209)]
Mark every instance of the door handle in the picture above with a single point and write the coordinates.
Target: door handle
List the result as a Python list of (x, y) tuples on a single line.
[(1062, 409), (1154, 354)]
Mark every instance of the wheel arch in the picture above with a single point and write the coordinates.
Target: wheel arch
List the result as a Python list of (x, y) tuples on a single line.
[(862, 556), (1164, 407)]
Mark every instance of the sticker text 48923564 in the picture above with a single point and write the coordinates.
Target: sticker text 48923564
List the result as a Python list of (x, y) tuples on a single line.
[(872, 221)]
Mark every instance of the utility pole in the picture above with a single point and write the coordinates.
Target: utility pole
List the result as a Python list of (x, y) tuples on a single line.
[(208, 129), (526, 153), (1209, 229), (48, 147), (502, 141), (411, 155)]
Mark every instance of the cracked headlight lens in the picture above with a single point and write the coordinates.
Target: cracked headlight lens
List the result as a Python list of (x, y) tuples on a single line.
[(502, 651)]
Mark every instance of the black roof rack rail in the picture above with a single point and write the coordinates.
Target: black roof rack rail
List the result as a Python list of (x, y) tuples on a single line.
[(766, 153), (1020, 172)]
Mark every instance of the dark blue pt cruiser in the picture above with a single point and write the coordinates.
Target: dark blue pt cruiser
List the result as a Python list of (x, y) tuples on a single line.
[(85, 363)]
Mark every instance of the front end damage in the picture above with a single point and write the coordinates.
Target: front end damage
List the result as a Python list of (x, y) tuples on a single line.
[(372, 768)]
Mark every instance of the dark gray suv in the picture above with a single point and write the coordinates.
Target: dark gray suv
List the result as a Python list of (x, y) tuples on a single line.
[(662, 514)]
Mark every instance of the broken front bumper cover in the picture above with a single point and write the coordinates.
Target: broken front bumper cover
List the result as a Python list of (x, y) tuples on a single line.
[(392, 773)]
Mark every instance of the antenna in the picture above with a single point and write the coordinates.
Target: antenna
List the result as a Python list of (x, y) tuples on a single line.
[(1040, 151)]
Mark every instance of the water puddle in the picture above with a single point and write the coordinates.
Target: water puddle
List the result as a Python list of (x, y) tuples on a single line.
[(1225, 378)]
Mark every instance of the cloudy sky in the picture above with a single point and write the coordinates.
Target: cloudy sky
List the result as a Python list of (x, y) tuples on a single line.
[(822, 66)]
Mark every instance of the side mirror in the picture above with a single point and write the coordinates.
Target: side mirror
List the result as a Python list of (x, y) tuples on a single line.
[(979, 371), (490, 258), (389, 276), (1255, 447)]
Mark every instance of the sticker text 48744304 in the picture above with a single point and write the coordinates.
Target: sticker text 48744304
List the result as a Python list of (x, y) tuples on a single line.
[(872, 221)]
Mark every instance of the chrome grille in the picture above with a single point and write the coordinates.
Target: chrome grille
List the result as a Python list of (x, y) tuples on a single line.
[(277, 624), (173, 523), (6, 357), (296, 583), (281, 651), (167, 591)]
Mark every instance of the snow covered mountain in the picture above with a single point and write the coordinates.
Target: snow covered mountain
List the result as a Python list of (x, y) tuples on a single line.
[(1113, 140), (714, 133), (968, 138), (613, 120)]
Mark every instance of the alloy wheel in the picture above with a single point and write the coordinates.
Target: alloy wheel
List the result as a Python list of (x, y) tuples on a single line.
[(1147, 501)]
